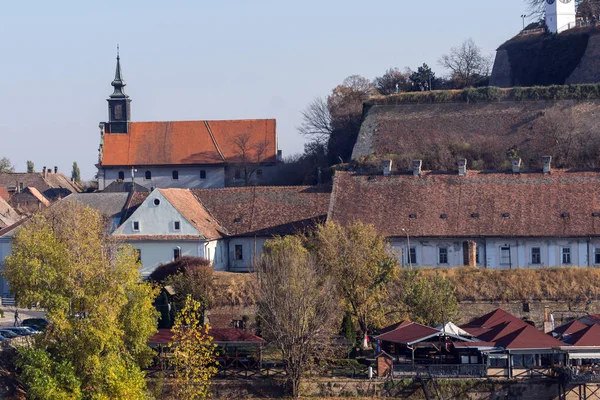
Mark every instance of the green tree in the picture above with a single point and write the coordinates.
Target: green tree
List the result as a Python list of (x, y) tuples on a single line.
[(423, 76), (348, 330), (75, 174), (361, 264), (297, 308), (101, 314), (193, 352), (30, 167), (6, 166)]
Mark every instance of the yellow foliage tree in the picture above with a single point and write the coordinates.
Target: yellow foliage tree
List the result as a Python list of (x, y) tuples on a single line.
[(193, 352)]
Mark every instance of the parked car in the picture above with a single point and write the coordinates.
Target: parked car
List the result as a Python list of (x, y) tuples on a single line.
[(21, 330), (8, 334), (39, 324)]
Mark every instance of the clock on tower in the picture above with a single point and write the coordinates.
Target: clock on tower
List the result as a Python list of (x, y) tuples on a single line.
[(118, 104), (560, 15)]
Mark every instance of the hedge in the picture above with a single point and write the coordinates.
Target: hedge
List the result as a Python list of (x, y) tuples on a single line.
[(492, 93)]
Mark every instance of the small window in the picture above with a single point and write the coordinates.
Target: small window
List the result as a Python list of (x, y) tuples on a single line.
[(21, 186), (566, 255), (412, 216), (475, 215), (505, 255), (177, 225), (443, 255), (138, 255), (477, 255), (238, 174), (136, 226), (239, 252), (259, 173), (506, 215), (444, 216), (597, 255), (156, 202), (175, 175), (412, 254), (536, 256), (202, 174), (148, 175), (121, 175), (176, 253)]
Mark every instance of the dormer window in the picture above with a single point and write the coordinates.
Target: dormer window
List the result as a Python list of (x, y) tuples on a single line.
[(135, 225), (506, 215), (444, 216), (412, 216), (121, 175), (564, 215), (175, 175), (177, 225), (475, 215)]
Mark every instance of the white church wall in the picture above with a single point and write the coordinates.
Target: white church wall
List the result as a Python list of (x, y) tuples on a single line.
[(162, 177), (560, 15)]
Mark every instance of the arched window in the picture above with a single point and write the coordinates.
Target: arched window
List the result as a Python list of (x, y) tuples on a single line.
[(148, 175), (175, 175), (121, 175), (202, 174)]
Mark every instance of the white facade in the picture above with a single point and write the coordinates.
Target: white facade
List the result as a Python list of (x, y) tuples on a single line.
[(5, 250), (499, 253), (560, 15), (243, 251), (196, 177)]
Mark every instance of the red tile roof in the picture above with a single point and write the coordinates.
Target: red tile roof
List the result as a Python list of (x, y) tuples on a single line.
[(495, 204), (588, 336), (408, 334), (194, 212), (393, 327), (568, 329), (188, 142), (4, 193), (507, 331), (222, 335), (274, 210)]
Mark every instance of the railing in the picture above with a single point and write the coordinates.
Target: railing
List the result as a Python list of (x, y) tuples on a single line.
[(441, 371), (578, 375)]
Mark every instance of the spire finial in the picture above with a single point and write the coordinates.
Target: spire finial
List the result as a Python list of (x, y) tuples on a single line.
[(118, 83), (118, 51)]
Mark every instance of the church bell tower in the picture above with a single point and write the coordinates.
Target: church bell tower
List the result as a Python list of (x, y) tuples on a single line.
[(560, 15), (119, 110)]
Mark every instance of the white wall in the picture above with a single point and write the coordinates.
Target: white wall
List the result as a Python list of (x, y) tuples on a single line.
[(490, 252), (154, 253), (162, 177), (251, 250), (5, 250), (560, 16), (156, 219)]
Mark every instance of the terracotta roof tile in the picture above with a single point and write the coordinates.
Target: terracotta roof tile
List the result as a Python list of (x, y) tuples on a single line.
[(492, 204), (187, 142), (275, 210), (194, 212)]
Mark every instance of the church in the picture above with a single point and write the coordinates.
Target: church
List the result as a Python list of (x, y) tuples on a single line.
[(182, 154)]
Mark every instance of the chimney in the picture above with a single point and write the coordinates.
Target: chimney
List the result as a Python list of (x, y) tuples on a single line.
[(387, 167), (44, 172), (547, 164), (416, 167), (462, 167), (279, 155), (516, 165), (55, 169)]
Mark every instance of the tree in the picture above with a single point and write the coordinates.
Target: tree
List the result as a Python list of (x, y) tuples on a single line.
[(30, 167), (75, 174), (422, 299), (297, 307), (316, 121), (5, 166), (423, 76), (466, 63), (386, 84), (249, 156), (64, 261), (585, 8), (361, 264), (193, 353)]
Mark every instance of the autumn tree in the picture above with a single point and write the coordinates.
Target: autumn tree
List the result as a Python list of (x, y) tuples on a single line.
[(102, 315), (75, 173), (297, 308), (467, 63), (193, 353), (386, 84), (30, 167), (361, 264), (6, 166)]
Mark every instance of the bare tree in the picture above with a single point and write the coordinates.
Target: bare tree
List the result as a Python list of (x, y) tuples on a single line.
[(316, 121), (297, 308), (249, 156), (586, 8), (466, 63)]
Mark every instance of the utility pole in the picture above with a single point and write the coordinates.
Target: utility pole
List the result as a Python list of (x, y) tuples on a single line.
[(523, 16)]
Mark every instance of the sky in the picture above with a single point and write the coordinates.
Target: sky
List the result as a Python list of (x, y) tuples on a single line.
[(198, 59)]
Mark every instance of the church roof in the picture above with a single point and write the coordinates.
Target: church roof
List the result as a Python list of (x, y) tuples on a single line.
[(191, 143)]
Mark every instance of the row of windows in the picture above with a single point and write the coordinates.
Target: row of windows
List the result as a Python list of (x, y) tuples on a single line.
[(135, 226), (239, 253), (148, 175), (505, 255)]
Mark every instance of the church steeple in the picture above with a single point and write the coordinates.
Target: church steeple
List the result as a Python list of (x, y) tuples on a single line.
[(118, 103)]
